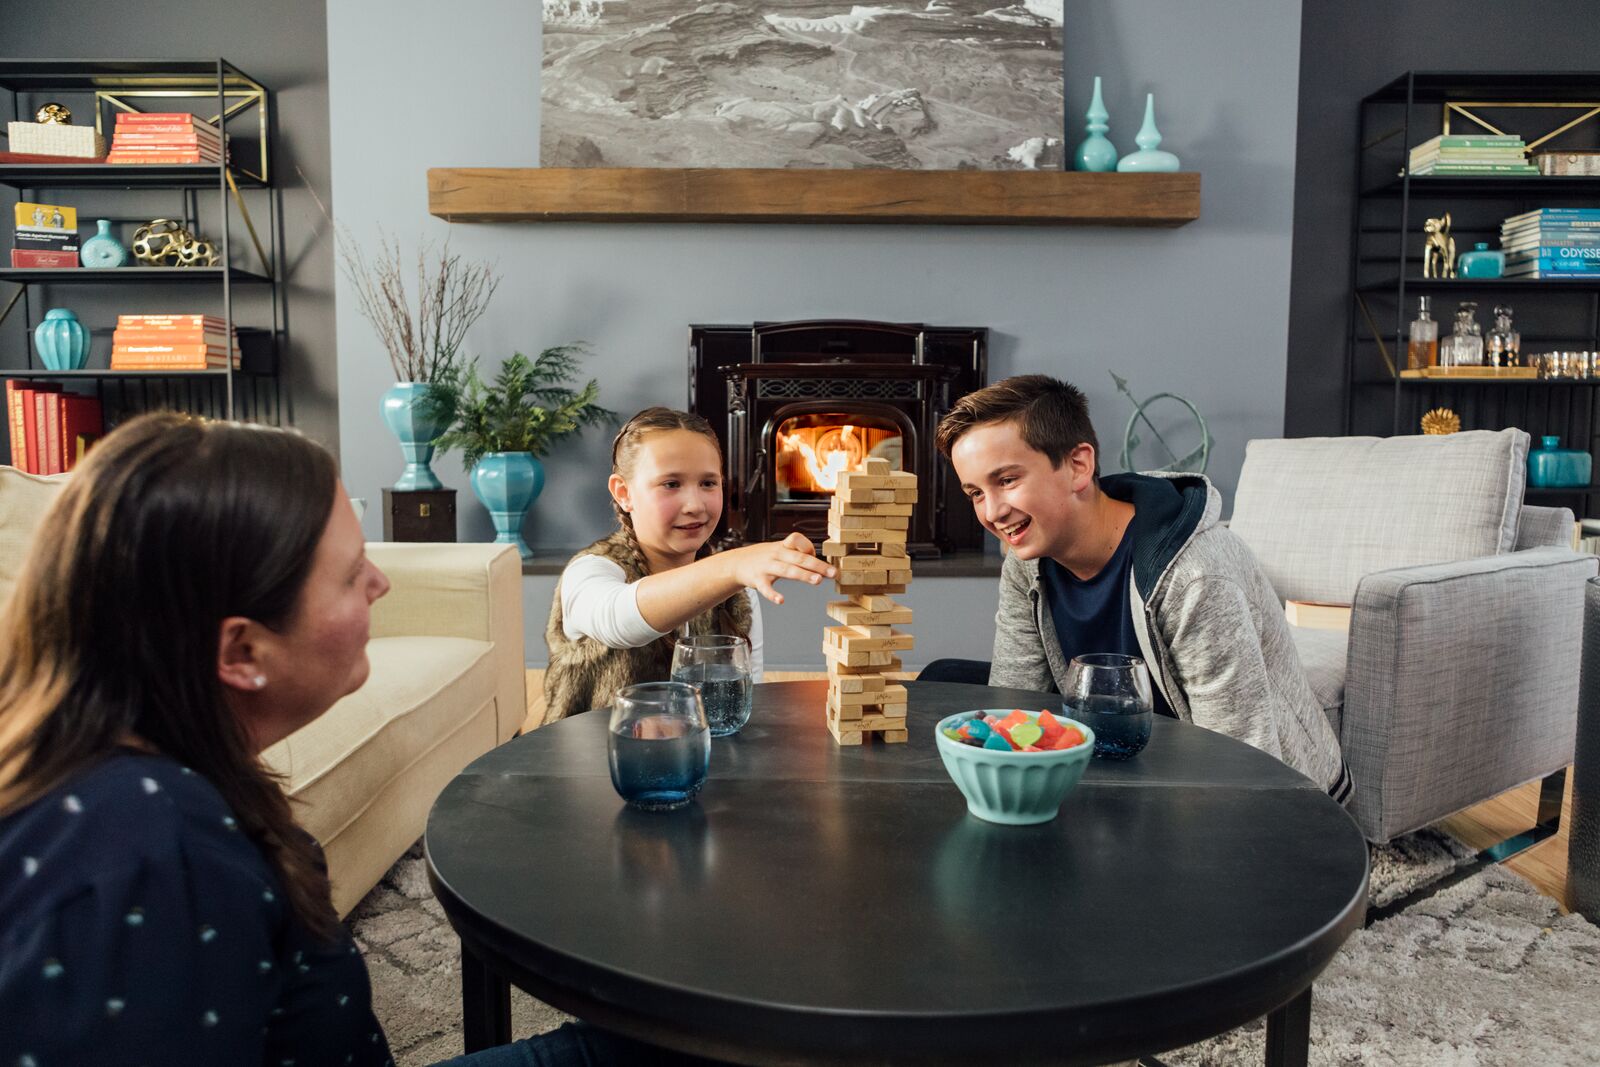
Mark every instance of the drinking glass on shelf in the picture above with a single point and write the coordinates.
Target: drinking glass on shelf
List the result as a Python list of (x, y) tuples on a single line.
[(659, 747), (1110, 692), (719, 666)]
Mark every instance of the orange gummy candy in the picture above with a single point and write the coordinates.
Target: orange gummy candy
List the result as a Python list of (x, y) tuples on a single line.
[(1070, 737), (1015, 718)]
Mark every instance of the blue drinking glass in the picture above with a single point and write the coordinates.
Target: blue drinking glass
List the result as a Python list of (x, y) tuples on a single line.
[(719, 666), (659, 746), (1110, 692)]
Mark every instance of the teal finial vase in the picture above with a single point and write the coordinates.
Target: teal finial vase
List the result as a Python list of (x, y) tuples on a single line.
[(61, 340), (1149, 159), (507, 484), (416, 426), (1096, 153)]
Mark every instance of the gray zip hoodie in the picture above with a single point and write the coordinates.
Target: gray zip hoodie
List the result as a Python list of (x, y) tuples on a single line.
[(1209, 624)]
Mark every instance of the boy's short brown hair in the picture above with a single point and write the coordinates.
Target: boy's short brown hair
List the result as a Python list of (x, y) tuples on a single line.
[(1052, 416)]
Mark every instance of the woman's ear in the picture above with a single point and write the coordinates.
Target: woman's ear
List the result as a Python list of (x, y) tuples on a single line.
[(619, 492), (239, 650)]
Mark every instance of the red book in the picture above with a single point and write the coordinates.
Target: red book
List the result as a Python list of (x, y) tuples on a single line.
[(139, 118), (41, 445), (40, 157), (31, 435), (141, 128), (164, 135), (15, 425), (80, 427), (39, 257), (187, 157), (183, 319)]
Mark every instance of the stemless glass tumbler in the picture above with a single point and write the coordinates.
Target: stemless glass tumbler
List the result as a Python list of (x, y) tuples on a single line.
[(719, 666), (1111, 693), (659, 746)]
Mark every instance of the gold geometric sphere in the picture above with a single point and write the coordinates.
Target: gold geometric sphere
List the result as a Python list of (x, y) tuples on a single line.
[(57, 113), (1441, 421)]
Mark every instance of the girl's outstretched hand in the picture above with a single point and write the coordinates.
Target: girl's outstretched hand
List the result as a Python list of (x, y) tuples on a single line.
[(760, 566)]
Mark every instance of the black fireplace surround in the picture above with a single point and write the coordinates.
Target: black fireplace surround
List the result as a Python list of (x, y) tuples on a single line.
[(795, 402)]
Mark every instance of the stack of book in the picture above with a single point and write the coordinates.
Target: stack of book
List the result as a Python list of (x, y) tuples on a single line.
[(164, 137), (1553, 242), (46, 236), (1488, 154), (173, 342), (50, 429)]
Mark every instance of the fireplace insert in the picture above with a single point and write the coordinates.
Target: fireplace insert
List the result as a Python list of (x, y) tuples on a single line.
[(796, 404)]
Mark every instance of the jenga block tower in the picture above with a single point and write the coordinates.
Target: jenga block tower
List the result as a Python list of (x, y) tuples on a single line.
[(867, 525)]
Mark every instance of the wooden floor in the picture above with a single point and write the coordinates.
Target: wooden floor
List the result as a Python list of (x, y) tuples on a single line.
[(1545, 864)]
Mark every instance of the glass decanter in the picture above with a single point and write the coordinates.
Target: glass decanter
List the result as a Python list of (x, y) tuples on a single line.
[(1422, 348), (1464, 347), (1503, 345)]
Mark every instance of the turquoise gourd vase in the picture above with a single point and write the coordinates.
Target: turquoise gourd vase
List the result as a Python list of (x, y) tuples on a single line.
[(416, 428), (62, 341), (1149, 159), (1553, 467), (1481, 262), (507, 484), (103, 250), (1096, 152)]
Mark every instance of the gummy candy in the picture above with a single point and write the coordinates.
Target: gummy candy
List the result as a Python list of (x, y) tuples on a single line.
[(998, 741), (1025, 734)]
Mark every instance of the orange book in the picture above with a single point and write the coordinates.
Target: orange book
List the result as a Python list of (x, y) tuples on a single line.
[(187, 321), (125, 338)]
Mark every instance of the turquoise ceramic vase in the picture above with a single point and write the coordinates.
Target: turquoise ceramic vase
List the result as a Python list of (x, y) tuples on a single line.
[(62, 341), (1096, 153), (507, 483), (103, 250), (1481, 262), (416, 431), (1554, 467), (1149, 159)]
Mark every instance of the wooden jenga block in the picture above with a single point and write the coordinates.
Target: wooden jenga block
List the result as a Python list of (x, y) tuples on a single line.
[(866, 561), (899, 480), (856, 683), (864, 537), (852, 481), (875, 590), (876, 467), (871, 509), (904, 496), (850, 641), (897, 577), (892, 550), (871, 522), (895, 737), (852, 614), (867, 495), (861, 662), (844, 737), (848, 580), (874, 603)]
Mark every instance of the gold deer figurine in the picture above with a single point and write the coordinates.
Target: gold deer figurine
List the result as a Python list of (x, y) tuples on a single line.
[(1439, 254)]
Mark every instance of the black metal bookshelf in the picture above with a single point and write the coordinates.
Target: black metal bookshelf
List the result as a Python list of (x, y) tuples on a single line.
[(233, 203), (1387, 241)]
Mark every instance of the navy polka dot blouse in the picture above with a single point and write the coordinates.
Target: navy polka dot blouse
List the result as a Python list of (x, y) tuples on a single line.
[(139, 925)]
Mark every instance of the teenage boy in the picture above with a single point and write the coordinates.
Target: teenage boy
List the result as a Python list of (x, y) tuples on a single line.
[(1129, 563)]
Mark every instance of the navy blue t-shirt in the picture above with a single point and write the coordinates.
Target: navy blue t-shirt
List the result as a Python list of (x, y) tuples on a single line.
[(1096, 615), (139, 925)]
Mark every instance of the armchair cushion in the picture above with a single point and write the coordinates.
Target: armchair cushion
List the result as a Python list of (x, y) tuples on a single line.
[(24, 498), (1323, 655), (1320, 513), (1462, 683)]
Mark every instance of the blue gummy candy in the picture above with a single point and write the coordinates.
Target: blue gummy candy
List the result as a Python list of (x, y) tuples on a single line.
[(997, 742), (979, 729)]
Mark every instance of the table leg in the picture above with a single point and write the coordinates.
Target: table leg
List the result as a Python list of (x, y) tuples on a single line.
[(1289, 1033), (485, 1004)]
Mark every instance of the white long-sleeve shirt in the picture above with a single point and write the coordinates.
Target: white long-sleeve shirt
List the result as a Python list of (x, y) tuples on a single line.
[(598, 601)]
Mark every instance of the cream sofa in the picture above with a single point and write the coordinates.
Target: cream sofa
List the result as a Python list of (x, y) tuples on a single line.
[(447, 685)]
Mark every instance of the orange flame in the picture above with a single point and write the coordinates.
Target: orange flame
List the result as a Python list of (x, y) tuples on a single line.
[(826, 468)]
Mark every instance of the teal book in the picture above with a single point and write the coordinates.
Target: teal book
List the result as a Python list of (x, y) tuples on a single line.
[(1571, 253), (1547, 267)]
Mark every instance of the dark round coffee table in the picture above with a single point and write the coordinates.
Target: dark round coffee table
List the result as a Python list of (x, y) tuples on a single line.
[(827, 904)]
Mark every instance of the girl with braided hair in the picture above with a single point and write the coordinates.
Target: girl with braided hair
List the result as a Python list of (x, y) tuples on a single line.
[(622, 602)]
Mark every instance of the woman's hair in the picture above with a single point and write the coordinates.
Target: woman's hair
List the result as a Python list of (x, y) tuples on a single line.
[(169, 526), (625, 452)]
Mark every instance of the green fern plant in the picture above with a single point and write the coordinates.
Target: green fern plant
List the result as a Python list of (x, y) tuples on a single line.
[(529, 406)]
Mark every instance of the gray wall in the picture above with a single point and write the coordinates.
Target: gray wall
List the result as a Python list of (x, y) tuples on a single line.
[(1349, 48), (1200, 310), (285, 48)]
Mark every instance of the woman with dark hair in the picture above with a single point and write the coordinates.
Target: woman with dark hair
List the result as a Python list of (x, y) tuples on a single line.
[(197, 592)]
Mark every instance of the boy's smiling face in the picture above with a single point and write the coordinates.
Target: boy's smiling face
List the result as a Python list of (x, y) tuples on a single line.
[(1018, 496)]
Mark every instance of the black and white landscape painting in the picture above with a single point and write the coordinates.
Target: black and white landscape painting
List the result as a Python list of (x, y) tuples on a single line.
[(935, 84)]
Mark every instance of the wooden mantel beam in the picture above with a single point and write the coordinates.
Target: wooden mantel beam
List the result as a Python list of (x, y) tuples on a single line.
[(711, 194)]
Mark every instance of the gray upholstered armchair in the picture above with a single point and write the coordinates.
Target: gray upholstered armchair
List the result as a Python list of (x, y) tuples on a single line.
[(1458, 678)]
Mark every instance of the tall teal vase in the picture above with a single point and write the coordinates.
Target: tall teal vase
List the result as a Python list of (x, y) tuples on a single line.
[(1096, 152), (507, 483), (416, 432), (1149, 159), (62, 341)]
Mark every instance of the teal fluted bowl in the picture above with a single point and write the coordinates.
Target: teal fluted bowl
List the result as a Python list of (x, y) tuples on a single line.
[(1013, 788)]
